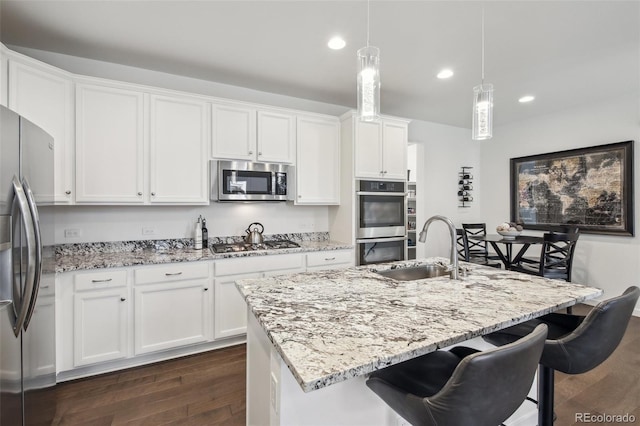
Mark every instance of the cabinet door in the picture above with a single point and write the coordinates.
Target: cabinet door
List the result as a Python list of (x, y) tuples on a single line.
[(178, 150), (276, 137), (368, 149), (44, 95), (109, 145), (229, 307), (318, 161), (394, 150), (234, 132), (3, 76), (171, 315), (100, 325)]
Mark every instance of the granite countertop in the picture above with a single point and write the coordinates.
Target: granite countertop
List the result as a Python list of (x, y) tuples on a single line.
[(330, 326), (75, 257)]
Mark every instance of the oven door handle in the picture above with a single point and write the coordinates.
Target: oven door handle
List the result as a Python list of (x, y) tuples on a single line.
[(392, 194), (380, 240)]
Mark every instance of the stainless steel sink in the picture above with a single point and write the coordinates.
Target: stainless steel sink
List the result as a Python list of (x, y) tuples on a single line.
[(416, 272)]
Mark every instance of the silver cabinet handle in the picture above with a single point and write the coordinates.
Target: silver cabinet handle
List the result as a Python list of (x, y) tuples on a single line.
[(102, 281), (153, 194), (171, 274), (139, 193), (250, 152), (329, 258), (259, 153), (67, 192), (206, 289), (122, 299), (299, 196)]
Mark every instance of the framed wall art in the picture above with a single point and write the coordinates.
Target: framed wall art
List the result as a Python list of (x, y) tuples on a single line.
[(591, 188)]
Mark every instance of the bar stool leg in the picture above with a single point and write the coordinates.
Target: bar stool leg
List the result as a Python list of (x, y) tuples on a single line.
[(545, 395)]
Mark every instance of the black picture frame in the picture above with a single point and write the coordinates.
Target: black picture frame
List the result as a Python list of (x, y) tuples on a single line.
[(589, 188)]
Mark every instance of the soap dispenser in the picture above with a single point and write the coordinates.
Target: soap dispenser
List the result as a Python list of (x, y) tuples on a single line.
[(205, 234), (198, 237)]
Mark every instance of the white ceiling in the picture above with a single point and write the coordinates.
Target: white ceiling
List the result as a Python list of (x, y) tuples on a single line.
[(566, 53)]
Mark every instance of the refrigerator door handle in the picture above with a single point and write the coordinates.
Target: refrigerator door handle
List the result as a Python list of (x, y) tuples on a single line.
[(37, 260), (20, 200)]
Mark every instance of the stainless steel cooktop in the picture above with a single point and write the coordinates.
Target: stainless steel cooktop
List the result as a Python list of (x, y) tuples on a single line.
[(267, 245)]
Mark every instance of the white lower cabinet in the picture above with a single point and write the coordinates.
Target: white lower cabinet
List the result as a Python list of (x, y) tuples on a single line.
[(113, 318), (100, 317), (230, 308), (172, 306), (332, 259)]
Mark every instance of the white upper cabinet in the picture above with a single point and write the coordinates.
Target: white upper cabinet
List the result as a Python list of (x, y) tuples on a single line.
[(276, 133), (395, 137), (135, 147), (109, 144), (3, 75), (179, 139), (317, 160), (242, 132), (368, 149), (381, 149), (234, 132), (44, 95)]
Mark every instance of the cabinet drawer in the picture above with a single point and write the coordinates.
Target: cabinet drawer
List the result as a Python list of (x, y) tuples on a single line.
[(171, 272), (100, 280), (245, 265), (330, 257)]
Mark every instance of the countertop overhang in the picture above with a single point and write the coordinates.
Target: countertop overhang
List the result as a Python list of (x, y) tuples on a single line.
[(334, 325)]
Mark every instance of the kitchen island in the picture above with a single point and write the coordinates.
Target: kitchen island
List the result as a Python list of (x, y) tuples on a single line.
[(313, 337)]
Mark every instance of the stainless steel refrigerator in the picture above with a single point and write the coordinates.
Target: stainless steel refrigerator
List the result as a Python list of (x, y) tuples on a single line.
[(27, 308)]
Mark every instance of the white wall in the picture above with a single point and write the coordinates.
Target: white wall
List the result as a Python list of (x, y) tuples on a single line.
[(126, 222), (609, 262), (441, 152)]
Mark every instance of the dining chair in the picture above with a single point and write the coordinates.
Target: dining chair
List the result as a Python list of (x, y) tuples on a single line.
[(462, 246), (462, 386), (556, 257), (477, 251)]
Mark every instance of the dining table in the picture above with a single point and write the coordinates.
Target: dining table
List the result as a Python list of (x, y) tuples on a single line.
[(507, 257)]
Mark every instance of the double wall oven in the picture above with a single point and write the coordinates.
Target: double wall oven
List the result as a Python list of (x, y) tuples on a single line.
[(381, 215)]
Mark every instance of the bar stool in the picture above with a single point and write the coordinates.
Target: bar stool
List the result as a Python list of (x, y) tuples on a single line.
[(462, 386), (576, 343)]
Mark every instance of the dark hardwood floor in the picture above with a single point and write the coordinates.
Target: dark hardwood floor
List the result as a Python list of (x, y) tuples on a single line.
[(203, 389), (209, 389)]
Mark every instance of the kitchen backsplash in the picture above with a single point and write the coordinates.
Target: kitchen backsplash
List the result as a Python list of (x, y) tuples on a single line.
[(179, 243)]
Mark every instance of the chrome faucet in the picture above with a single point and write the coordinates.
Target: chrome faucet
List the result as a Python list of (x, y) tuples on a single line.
[(453, 261)]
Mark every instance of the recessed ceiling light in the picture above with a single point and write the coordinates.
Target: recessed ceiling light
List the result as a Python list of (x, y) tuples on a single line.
[(446, 73), (336, 43), (526, 99)]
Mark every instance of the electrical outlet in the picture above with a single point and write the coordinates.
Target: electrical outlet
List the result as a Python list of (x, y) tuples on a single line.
[(148, 230), (273, 393), (72, 233)]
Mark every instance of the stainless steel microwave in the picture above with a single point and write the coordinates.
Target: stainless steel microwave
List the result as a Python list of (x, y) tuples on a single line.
[(247, 181)]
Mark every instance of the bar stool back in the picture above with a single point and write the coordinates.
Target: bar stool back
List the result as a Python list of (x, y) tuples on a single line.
[(462, 386)]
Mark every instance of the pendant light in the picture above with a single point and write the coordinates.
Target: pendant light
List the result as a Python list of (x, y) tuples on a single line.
[(482, 126), (368, 80)]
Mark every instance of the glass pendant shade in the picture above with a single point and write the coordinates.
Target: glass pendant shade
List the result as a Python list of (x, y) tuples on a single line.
[(369, 83), (482, 126)]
